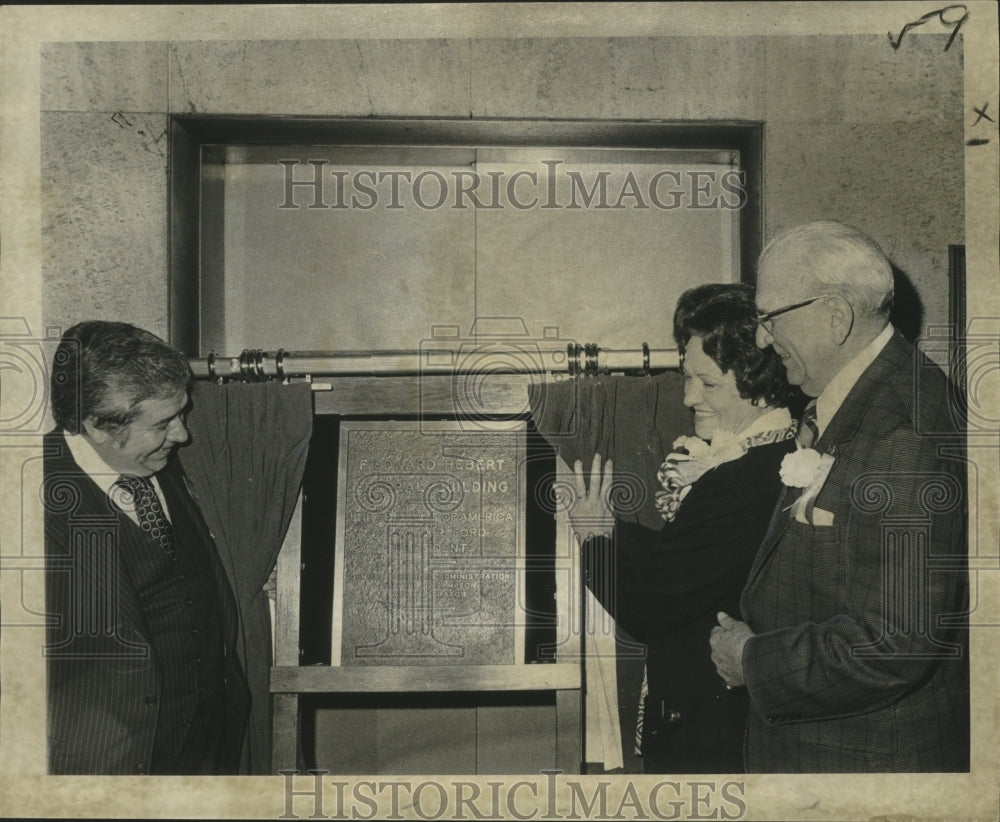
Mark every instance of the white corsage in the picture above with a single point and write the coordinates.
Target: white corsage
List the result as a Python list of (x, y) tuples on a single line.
[(799, 467), (680, 470), (808, 469)]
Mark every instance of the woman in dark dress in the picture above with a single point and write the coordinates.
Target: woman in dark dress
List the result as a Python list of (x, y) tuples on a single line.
[(717, 492)]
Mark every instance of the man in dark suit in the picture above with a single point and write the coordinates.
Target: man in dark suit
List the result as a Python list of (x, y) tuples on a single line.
[(851, 648), (141, 678)]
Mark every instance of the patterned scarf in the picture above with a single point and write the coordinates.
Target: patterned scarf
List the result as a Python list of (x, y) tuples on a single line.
[(681, 469)]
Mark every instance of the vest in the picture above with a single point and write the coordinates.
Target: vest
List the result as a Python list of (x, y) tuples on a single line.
[(180, 599)]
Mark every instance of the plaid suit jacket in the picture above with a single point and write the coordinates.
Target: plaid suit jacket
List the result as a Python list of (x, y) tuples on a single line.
[(859, 662)]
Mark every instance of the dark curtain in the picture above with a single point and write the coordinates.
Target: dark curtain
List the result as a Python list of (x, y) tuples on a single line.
[(634, 421), (245, 461)]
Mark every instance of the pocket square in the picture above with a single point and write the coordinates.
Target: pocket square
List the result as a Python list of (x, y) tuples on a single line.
[(803, 507), (820, 517)]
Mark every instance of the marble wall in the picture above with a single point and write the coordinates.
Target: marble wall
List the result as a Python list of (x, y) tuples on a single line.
[(854, 130)]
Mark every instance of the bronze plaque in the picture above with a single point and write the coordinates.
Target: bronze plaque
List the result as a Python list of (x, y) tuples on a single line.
[(430, 537)]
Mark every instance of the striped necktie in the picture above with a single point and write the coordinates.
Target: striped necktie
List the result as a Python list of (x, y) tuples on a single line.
[(808, 429), (148, 510)]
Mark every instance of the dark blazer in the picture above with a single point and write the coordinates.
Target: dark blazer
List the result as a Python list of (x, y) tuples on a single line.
[(103, 680), (665, 588), (856, 665)]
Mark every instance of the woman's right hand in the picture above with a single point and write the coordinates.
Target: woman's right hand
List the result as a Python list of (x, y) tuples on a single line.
[(591, 513)]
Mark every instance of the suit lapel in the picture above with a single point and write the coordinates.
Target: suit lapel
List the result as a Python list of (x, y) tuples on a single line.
[(93, 507), (842, 428), (780, 521), (897, 354)]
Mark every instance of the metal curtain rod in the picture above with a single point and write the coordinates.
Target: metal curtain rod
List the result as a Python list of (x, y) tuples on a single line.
[(438, 359)]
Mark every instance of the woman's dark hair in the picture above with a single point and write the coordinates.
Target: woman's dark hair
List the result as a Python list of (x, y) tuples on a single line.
[(725, 317), (105, 369)]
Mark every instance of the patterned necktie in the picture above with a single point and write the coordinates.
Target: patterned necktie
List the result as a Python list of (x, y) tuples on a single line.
[(808, 429), (148, 510)]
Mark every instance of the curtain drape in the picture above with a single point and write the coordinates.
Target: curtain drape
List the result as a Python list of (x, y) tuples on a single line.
[(245, 462), (634, 421)]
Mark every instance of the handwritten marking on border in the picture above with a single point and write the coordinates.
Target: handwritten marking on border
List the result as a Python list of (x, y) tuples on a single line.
[(953, 24)]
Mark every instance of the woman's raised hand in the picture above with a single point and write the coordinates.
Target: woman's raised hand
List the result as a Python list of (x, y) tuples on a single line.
[(591, 513)]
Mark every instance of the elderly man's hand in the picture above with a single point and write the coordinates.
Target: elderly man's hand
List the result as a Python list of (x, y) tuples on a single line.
[(727, 641), (591, 514)]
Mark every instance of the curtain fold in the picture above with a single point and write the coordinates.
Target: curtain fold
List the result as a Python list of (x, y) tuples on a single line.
[(245, 462), (634, 421)]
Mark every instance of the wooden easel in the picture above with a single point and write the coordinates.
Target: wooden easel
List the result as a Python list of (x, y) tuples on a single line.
[(289, 680)]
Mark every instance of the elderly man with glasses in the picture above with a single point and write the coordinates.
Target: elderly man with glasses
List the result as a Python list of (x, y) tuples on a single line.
[(850, 644)]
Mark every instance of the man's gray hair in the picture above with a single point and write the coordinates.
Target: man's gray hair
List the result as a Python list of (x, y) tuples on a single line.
[(104, 370), (835, 258)]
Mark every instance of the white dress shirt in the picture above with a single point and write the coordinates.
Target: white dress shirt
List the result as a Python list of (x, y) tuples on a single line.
[(105, 476)]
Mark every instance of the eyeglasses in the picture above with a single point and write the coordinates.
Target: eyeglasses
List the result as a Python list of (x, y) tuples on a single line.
[(766, 320)]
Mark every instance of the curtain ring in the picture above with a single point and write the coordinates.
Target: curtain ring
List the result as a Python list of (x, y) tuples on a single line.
[(645, 359), (244, 359), (573, 359), (591, 359), (258, 364), (279, 364)]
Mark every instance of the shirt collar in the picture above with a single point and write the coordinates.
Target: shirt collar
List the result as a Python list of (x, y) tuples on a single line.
[(91, 463), (833, 396)]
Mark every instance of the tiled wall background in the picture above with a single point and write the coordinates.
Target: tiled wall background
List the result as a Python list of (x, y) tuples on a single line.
[(854, 131)]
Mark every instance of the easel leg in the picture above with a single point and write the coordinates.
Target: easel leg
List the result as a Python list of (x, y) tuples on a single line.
[(286, 736), (569, 731)]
